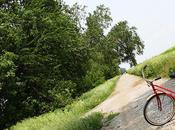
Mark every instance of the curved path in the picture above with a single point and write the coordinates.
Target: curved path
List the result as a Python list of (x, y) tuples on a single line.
[(128, 99)]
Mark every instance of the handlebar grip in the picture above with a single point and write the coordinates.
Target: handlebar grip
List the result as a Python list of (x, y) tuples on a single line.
[(157, 78)]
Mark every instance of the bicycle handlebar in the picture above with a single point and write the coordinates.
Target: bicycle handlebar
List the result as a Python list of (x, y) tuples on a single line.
[(157, 78), (143, 75)]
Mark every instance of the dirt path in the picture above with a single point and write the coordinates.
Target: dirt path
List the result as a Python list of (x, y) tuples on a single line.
[(128, 99), (127, 90)]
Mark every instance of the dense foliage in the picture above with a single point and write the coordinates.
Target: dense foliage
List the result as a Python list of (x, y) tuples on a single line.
[(48, 56), (71, 116)]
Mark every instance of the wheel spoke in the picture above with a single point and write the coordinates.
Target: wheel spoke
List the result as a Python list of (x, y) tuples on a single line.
[(159, 115)]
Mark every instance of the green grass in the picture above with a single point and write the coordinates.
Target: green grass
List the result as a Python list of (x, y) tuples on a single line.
[(111, 116), (91, 122), (108, 117), (160, 65), (70, 117)]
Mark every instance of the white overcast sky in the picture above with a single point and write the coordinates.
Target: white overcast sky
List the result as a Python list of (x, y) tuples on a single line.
[(154, 19)]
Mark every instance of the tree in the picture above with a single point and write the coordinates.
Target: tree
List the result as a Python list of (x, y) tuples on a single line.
[(126, 42), (49, 65), (47, 59), (96, 22), (94, 37)]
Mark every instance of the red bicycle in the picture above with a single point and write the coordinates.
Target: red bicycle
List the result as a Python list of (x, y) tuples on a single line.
[(160, 107)]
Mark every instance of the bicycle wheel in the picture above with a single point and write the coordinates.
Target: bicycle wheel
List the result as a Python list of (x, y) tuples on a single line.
[(159, 109)]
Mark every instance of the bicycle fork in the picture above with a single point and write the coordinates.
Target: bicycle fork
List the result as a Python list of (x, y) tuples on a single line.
[(159, 104)]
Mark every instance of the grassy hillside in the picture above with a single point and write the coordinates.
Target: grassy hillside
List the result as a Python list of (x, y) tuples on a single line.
[(69, 117), (160, 65)]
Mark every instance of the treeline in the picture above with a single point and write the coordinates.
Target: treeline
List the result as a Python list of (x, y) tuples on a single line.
[(50, 53)]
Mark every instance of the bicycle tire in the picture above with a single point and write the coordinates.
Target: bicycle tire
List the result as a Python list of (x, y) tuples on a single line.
[(152, 101)]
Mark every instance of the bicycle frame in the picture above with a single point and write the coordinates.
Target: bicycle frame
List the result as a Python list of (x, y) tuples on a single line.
[(162, 89), (158, 88), (159, 91)]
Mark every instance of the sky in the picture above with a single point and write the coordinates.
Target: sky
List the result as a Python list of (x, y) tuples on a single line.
[(154, 20)]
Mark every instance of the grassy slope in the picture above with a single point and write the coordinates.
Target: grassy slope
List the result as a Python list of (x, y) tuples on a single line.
[(157, 66), (69, 118)]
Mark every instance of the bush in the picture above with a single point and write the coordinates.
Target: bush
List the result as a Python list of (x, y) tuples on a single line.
[(91, 122), (94, 76)]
